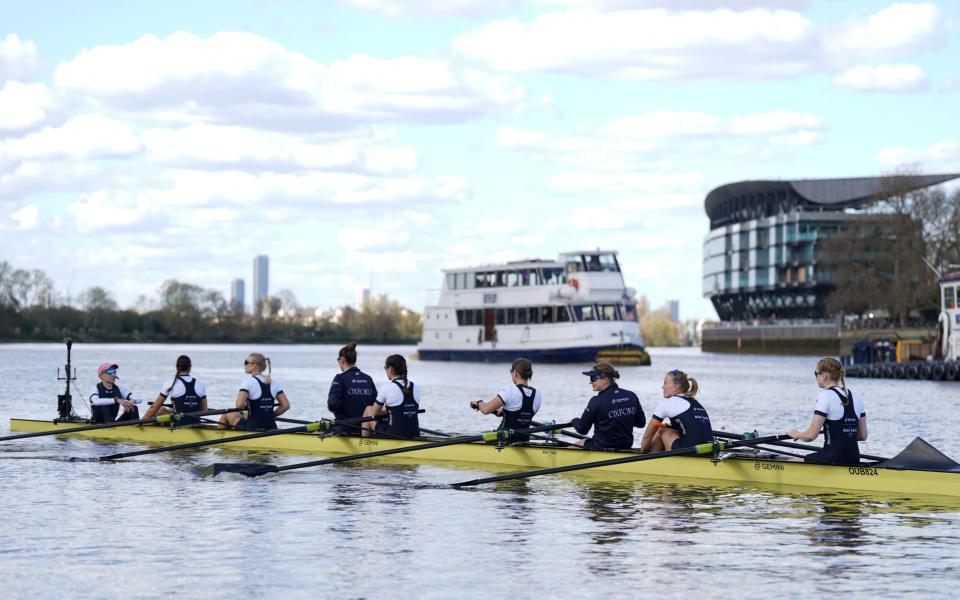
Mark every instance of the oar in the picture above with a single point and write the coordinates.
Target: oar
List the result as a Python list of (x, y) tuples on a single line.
[(707, 448), (256, 469), (322, 425), (567, 433), (172, 418), (741, 436)]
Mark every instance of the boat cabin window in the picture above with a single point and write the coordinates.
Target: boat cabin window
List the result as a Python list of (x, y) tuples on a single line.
[(585, 312), (563, 315), (608, 312), (551, 276), (601, 262), (949, 296), (470, 317), (630, 313), (451, 281)]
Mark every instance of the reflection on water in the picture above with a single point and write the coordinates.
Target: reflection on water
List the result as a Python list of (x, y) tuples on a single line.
[(394, 529)]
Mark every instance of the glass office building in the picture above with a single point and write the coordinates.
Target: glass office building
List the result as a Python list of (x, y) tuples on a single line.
[(760, 259)]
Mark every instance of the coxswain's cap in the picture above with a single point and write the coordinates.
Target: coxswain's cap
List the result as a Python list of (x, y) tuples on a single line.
[(105, 366), (601, 370)]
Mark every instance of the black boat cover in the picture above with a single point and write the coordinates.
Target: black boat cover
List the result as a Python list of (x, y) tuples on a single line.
[(921, 456)]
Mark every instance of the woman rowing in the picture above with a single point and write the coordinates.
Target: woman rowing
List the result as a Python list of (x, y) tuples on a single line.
[(839, 413), (108, 397), (689, 422), (352, 390), (613, 412), (186, 392), (257, 395), (516, 403), (399, 400)]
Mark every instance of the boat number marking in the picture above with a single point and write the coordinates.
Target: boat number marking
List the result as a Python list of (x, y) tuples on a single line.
[(767, 466), (869, 471), (549, 452), (369, 442)]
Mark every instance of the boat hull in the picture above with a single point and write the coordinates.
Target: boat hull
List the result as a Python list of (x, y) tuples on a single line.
[(732, 470), (583, 354)]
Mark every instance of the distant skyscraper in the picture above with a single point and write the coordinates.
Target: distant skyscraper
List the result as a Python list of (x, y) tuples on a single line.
[(674, 310), (238, 291), (261, 278)]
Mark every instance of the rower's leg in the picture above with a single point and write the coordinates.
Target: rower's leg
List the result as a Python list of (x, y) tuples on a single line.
[(229, 420), (668, 437), (369, 427), (656, 444)]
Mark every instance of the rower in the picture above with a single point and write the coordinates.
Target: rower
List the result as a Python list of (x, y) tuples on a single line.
[(399, 400), (839, 413), (613, 412), (256, 397), (516, 403), (352, 390), (108, 396), (689, 422), (187, 393)]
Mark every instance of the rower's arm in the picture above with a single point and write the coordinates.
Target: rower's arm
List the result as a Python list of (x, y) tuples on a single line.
[(284, 404), (589, 416), (862, 429), (155, 407), (241, 402), (812, 432), (648, 434), (492, 405)]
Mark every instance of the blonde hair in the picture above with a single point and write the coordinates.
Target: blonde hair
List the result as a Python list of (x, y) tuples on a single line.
[(834, 369), (687, 385), (263, 364)]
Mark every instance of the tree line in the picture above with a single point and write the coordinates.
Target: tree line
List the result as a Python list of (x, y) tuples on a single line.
[(890, 261), (31, 309)]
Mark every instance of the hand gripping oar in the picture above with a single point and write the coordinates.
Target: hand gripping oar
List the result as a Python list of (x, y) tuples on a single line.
[(743, 436), (707, 448), (256, 469), (172, 419), (310, 427)]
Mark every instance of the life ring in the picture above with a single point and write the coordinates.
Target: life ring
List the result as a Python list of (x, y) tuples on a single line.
[(574, 284)]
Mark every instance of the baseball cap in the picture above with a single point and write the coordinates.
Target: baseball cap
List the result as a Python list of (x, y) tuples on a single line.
[(105, 366)]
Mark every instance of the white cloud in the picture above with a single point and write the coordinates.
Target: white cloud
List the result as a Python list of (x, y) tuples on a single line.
[(942, 154), (779, 121), (665, 124), (242, 78), (105, 210), (18, 58), (648, 44), (23, 105), (896, 27), (883, 78), (626, 182), (82, 137), (26, 217), (447, 8)]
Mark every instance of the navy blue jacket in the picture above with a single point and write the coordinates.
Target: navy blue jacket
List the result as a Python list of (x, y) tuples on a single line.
[(613, 413), (351, 392)]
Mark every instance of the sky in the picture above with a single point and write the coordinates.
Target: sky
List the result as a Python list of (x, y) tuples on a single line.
[(372, 143)]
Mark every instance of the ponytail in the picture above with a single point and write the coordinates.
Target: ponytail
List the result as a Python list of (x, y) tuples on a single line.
[(184, 364), (686, 385)]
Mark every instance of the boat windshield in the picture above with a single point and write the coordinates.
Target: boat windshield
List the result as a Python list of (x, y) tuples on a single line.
[(551, 275), (591, 262), (949, 297)]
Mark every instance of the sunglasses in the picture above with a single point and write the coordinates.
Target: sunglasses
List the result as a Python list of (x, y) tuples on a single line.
[(819, 373), (593, 378), (247, 362), (110, 372)]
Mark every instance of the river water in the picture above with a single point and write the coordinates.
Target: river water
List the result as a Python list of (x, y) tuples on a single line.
[(155, 526)]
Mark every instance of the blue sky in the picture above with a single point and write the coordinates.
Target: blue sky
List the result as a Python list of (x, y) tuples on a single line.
[(359, 141)]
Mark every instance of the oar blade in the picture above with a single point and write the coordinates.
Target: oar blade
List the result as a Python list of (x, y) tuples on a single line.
[(248, 469)]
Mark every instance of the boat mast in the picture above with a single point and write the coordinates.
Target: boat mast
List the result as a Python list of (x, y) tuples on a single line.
[(64, 400)]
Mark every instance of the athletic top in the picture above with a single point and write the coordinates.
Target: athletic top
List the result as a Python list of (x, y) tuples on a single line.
[(351, 392), (402, 400), (841, 426), (103, 401), (260, 397), (186, 394), (178, 387), (520, 404), (613, 413), (688, 417)]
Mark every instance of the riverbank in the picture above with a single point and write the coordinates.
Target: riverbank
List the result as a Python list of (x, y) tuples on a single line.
[(803, 340)]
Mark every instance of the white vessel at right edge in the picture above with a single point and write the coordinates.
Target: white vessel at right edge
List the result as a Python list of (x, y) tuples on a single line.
[(568, 310)]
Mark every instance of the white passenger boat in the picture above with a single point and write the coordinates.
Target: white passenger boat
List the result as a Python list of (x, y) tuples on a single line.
[(567, 310)]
